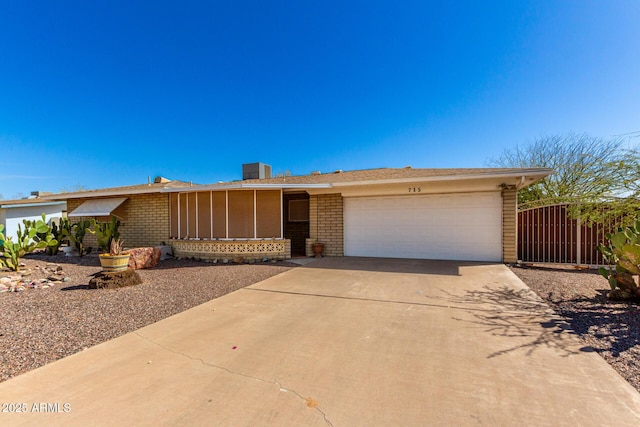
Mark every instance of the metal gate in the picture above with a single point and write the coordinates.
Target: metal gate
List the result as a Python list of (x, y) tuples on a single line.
[(549, 234)]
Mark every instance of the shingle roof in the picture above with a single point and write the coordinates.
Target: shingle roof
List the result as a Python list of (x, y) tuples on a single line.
[(387, 174), (128, 189), (22, 202), (337, 177)]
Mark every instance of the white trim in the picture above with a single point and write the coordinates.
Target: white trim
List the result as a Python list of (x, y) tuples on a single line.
[(29, 205), (187, 211), (535, 174), (255, 214), (178, 208)]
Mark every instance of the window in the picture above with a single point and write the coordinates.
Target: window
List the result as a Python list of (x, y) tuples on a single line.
[(230, 214), (298, 210)]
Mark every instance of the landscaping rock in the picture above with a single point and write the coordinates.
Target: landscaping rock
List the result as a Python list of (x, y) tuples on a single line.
[(118, 279), (17, 282), (144, 257)]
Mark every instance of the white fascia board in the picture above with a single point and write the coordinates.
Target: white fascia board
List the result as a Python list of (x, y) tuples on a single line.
[(28, 205), (240, 186), (536, 173)]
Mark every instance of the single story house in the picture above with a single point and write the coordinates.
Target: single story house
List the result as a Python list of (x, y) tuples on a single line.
[(13, 212), (458, 214)]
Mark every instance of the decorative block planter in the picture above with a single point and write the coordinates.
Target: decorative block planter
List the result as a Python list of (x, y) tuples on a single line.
[(252, 249)]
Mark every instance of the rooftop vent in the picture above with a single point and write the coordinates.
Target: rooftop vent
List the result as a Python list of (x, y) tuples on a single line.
[(160, 180), (256, 171), (316, 173), (40, 193)]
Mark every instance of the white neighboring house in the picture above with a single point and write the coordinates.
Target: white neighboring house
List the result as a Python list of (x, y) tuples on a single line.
[(12, 212)]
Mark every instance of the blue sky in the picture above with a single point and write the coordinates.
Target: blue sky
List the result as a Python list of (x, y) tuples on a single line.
[(107, 93)]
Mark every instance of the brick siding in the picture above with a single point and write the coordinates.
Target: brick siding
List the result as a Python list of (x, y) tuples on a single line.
[(326, 223), (509, 225), (144, 220)]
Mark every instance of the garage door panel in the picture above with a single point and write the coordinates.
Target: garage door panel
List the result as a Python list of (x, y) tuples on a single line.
[(450, 226)]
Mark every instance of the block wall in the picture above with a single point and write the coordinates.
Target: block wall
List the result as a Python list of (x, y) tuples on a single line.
[(326, 223), (509, 225), (232, 250)]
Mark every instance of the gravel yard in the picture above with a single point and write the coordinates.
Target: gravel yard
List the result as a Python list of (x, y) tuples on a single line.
[(38, 326), (611, 328)]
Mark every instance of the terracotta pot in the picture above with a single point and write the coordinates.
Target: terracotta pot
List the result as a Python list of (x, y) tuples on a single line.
[(318, 248), (113, 263)]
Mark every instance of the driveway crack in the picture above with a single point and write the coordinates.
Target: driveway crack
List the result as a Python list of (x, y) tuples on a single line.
[(307, 400)]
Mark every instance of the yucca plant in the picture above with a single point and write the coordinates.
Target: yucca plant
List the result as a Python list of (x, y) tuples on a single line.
[(116, 247)]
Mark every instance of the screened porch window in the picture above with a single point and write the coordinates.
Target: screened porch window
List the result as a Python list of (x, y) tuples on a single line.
[(230, 214)]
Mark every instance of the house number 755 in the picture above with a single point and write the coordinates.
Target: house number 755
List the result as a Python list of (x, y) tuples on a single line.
[(415, 189)]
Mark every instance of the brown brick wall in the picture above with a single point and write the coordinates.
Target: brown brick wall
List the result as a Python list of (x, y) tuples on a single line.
[(144, 220), (509, 225), (326, 223)]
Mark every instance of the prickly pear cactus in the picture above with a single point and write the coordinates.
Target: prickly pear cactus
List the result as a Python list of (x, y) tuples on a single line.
[(36, 235), (623, 256)]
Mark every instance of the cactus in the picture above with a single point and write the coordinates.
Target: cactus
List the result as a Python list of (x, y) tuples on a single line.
[(60, 234), (623, 256), (106, 232), (36, 235), (78, 231)]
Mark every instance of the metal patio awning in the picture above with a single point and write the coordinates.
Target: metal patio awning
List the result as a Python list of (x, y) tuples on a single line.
[(97, 207)]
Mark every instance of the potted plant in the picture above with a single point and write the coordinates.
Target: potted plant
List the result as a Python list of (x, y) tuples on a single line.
[(318, 248), (117, 259)]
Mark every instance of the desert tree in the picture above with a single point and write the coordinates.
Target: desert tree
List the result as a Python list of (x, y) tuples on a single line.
[(587, 171)]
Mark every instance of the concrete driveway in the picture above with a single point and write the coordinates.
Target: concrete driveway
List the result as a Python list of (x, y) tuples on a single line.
[(341, 342)]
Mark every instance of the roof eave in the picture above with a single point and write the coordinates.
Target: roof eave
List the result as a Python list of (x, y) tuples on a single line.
[(243, 186), (104, 193), (27, 205), (536, 174)]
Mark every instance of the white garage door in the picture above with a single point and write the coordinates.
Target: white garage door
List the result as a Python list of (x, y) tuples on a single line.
[(445, 226)]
